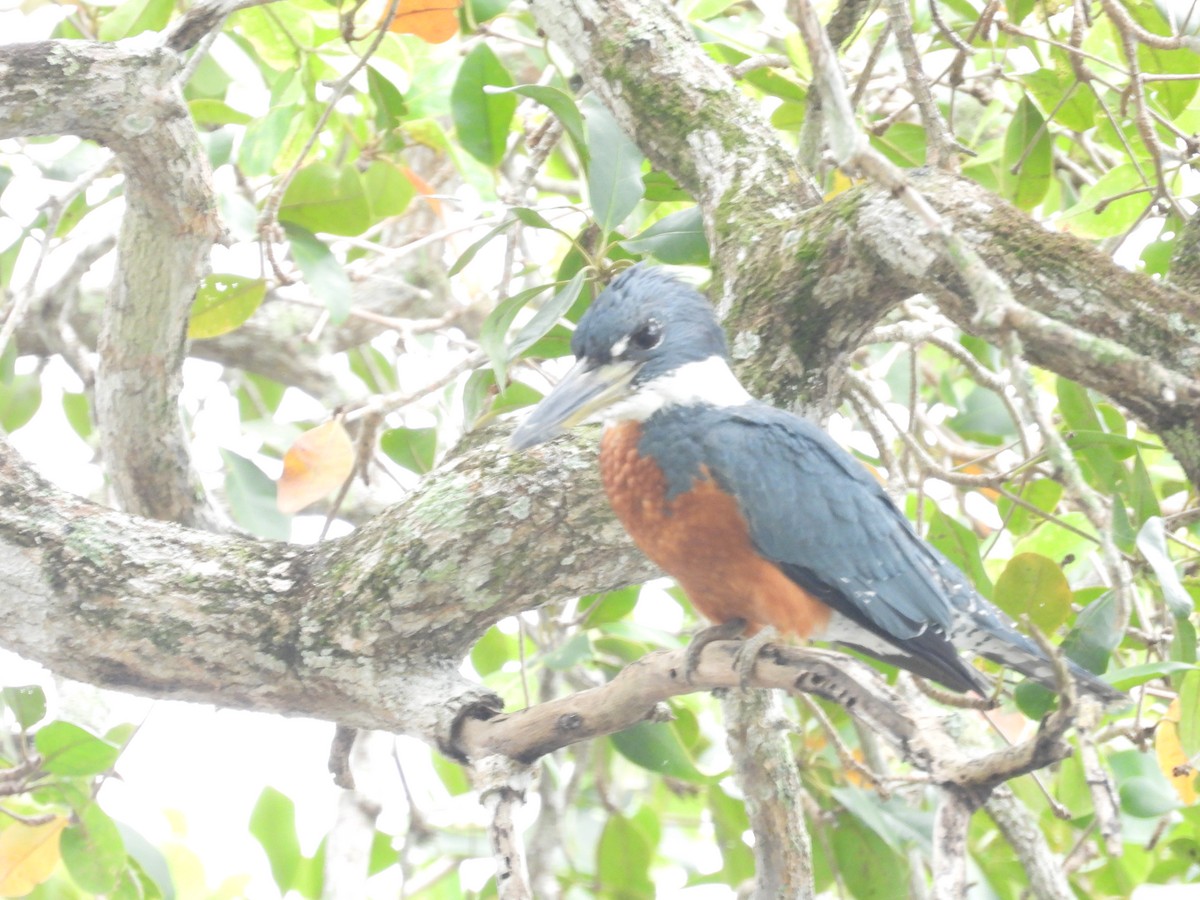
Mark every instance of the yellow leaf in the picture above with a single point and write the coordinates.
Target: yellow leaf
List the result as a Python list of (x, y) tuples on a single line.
[(841, 183), (1171, 758), (320, 461), (433, 21), (28, 855)]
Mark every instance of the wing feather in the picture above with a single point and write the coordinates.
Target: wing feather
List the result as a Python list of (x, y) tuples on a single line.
[(812, 507)]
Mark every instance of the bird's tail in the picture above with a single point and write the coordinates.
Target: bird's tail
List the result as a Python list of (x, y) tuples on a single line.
[(994, 638)]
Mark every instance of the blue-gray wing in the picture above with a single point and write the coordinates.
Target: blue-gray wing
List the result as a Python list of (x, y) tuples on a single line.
[(822, 517)]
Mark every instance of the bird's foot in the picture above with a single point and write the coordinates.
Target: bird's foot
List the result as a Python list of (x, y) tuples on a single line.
[(723, 631), (747, 655)]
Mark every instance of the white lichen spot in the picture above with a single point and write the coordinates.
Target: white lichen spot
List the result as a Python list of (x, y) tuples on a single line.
[(500, 537), (745, 345), (520, 509)]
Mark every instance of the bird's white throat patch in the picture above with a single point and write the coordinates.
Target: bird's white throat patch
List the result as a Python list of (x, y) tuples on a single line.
[(709, 381)]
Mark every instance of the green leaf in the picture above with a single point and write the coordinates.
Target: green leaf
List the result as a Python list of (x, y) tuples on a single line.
[(1152, 542), (27, 704), (1183, 644), (494, 333), (323, 273), (517, 395), (251, 497), (452, 775), (564, 108), (960, 545), (1019, 9), (1028, 157), (623, 857), (482, 118), (480, 387), (388, 190), (135, 16), (1033, 585), (1130, 677), (309, 880), (277, 35), (223, 303), (569, 655), (656, 746), (20, 399), (413, 448), (730, 822), (210, 111), (1189, 713), (1060, 544), (68, 749), (383, 854), (614, 178), (1042, 493), (390, 108), (547, 316), (78, 411), (1057, 93), (263, 139), (869, 868), (469, 254), (492, 651), (903, 143), (1173, 95), (677, 239), (1094, 635), (610, 607), (1110, 206), (322, 198), (92, 850), (1147, 797), (273, 825)]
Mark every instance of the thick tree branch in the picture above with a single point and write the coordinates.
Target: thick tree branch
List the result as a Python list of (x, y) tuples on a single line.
[(368, 630), (1076, 313), (126, 97)]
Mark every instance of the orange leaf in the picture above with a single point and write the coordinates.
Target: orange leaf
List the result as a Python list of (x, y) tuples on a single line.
[(320, 461), (28, 855), (1171, 758), (434, 21), (425, 189)]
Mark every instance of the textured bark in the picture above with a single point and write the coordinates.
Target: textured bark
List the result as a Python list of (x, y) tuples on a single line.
[(368, 630), (1047, 879), (1079, 314), (766, 771), (125, 96)]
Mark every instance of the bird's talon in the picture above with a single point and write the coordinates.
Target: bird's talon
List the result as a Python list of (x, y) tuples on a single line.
[(722, 631), (747, 655)]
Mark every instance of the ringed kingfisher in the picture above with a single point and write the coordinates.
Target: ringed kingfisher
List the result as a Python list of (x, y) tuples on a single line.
[(758, 514)]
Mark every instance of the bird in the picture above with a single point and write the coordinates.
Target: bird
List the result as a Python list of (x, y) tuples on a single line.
[(758, 514)]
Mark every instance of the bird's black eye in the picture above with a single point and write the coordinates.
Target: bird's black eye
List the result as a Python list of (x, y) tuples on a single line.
[(648, 336)]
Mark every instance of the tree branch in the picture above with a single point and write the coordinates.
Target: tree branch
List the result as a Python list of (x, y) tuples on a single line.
[(766, 771), (368, 630), (126, 97)]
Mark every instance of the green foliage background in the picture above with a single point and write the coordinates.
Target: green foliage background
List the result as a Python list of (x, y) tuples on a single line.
[(538, 195)]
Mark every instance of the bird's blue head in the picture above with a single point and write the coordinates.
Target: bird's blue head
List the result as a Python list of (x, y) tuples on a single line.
[(648, 341)]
